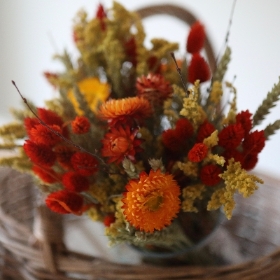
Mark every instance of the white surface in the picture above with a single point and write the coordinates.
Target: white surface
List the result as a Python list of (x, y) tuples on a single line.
[(32, 31), (84, 236)]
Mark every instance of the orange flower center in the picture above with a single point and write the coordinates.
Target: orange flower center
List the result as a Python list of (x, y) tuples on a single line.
[(153, 202), (120, 145)]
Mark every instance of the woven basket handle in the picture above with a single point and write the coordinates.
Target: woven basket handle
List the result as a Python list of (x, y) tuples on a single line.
[(184, 15)]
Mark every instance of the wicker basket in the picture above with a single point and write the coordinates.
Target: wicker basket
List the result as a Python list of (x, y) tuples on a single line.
[(32, 239)]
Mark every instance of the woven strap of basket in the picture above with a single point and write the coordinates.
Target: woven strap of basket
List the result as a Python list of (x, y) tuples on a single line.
[(48, 231)]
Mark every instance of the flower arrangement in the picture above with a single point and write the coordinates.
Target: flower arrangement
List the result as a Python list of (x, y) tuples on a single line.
[(132, 143)]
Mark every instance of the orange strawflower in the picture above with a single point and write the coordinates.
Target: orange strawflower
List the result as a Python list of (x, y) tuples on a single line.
[(65, 202), (152, 202), (126, 110), (120, 143), (80, 125)]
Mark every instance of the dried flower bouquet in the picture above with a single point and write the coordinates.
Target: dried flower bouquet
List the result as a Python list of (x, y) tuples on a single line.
[(130, 144)]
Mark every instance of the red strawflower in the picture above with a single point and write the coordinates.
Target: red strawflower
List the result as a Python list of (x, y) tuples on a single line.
[(245, 119), (198, 152), (63, 155), (41, 134), (196, 38), (65, 202), (75, 182), (198, 69), (109, 219), (254, 142), (39, 154), (84, 163), (154, 87), (130, 50), (204, 131), (231, 136), (80, 125), (120, 143), (209, 174), (47, 175)]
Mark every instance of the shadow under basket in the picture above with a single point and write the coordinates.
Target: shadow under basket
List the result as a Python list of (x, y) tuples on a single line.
[(32, 247)]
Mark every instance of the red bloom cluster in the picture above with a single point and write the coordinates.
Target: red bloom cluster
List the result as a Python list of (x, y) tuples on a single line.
[(65, 202), (46, 174), (80, 125), (204, 131), (236, 141), (209, 174), (196, 38), (49, 153), (130, 51), (109, 219), (198, 152), (240, 143), (75, 182), (198, 68), (101, 15), (84, 163), (176, 139)]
